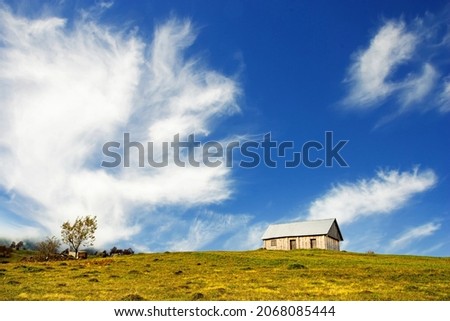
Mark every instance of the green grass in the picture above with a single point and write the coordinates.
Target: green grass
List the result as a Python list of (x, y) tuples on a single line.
[(252, 275), (17, 256)]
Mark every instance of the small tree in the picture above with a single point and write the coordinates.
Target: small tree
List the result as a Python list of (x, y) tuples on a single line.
[(81, 232), (48, 248), (19, 246)]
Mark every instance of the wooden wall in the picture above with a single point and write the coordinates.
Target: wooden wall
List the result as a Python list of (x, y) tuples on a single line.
[(302, 242)]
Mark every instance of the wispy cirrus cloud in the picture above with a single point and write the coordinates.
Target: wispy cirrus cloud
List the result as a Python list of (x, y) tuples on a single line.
[(412, 235), (67, 88), (206, 227), (248, 237), (369, 72), (444, 98), (382, 194), (405, 63)]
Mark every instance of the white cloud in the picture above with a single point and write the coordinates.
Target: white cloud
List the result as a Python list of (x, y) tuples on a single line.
[(431, 250), (368, 74), (106, 4), (64, 91), (207, 227), (382, 194), (413, 235), (184, 95), (416, 88), (13, 231), (403, 63), (247, 238), (444, 98)]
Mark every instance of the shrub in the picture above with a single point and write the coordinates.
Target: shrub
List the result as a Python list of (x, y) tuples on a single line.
[(5, 251), (133, 297), (116, 251), (296, 266), (198, 296)]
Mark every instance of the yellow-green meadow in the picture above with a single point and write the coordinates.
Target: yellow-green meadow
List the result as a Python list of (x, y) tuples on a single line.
[(249, 275)]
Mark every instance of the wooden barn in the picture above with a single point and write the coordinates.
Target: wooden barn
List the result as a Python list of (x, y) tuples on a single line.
[(319, 234)]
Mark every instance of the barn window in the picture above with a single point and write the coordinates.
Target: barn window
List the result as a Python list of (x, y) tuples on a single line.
[(273, 243)]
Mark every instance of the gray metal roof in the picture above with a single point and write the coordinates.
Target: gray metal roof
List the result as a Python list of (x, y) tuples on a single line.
[(319, 227)]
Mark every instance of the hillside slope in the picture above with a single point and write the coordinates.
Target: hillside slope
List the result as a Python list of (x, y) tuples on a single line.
[(252, 275)]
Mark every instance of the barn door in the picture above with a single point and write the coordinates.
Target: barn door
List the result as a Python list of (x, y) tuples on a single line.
[(313, 243), (292, 244)]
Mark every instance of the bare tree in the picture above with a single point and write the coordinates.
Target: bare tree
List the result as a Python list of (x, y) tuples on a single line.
[(48, 248), (81, 232)]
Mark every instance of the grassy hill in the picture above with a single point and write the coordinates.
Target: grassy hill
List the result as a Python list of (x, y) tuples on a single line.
[(252, 275)]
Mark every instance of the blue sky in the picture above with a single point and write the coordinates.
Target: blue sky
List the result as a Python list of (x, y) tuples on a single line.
[(75, 75)]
